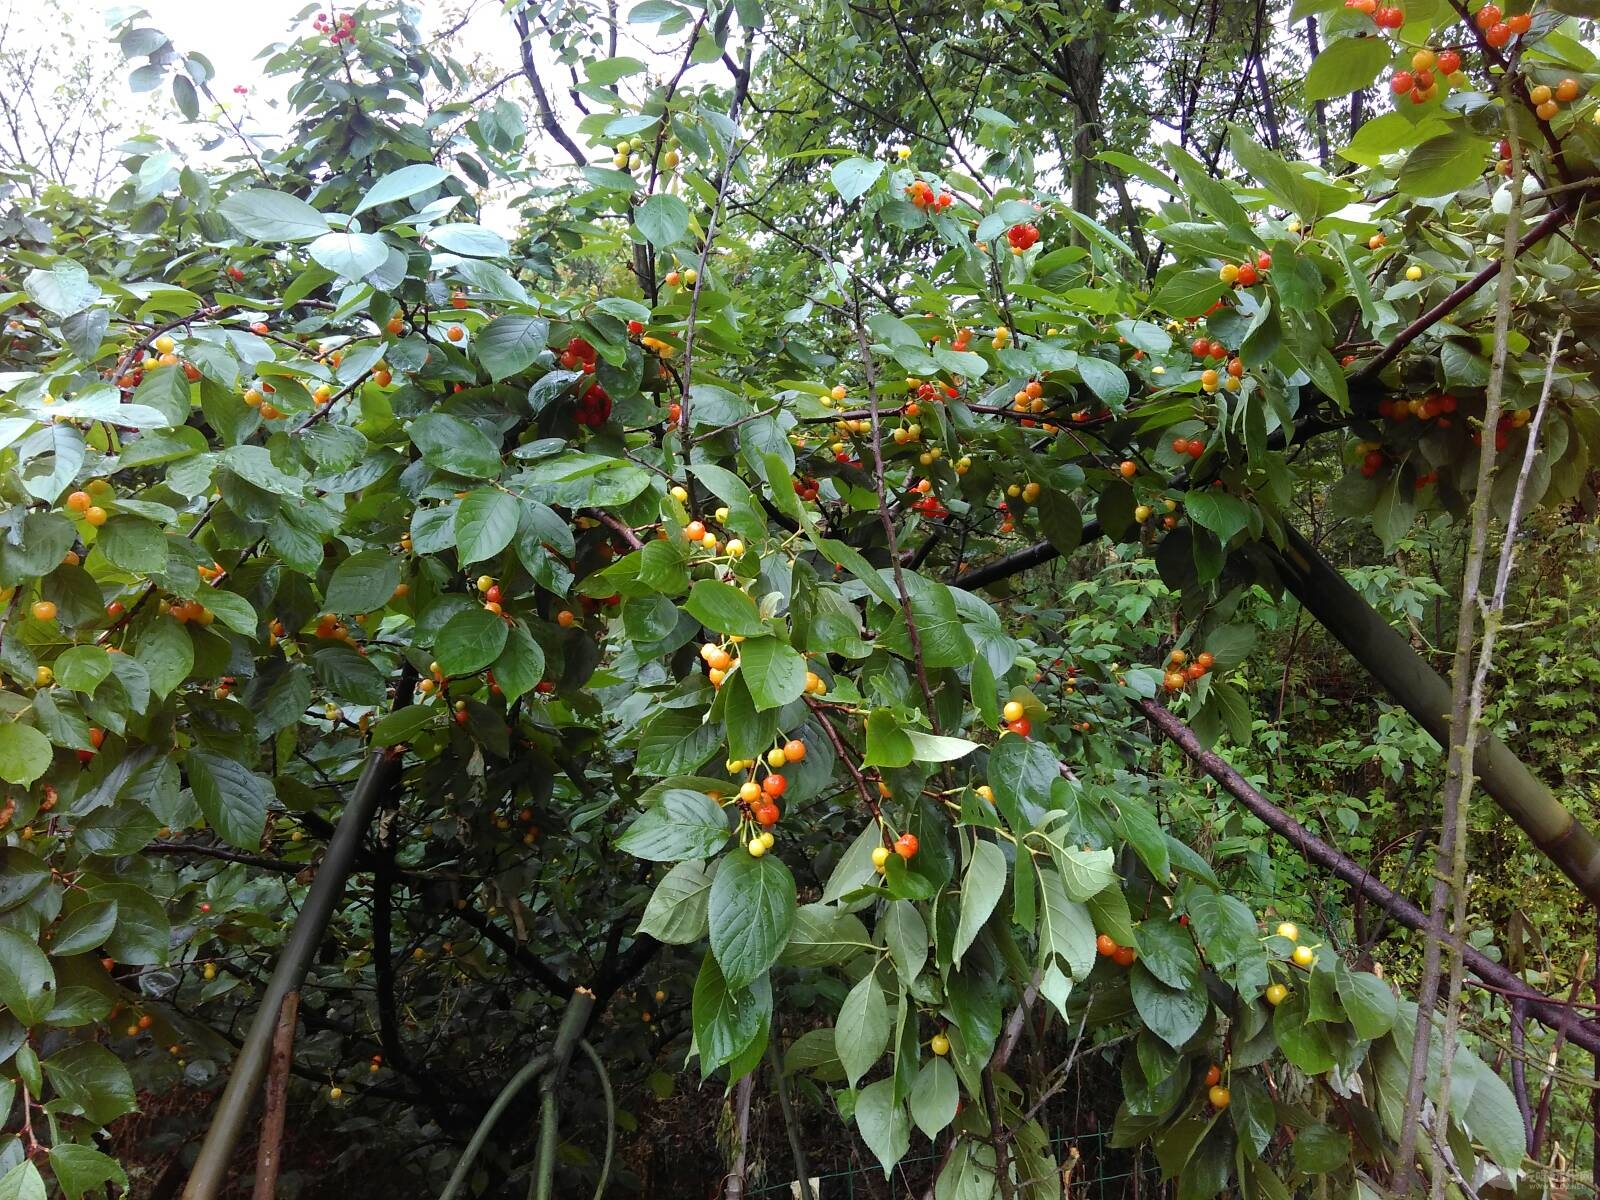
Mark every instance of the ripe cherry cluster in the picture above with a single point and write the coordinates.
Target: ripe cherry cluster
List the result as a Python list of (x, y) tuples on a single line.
[(1499, 29), (594, 407), (1421, 82), (342, 29), (1245, 274), (1181, 671), (922, 195), (1022, 237), (1384, 16), (577, 355)]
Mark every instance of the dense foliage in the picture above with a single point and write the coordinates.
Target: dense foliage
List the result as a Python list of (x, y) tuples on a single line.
[(638, 543)]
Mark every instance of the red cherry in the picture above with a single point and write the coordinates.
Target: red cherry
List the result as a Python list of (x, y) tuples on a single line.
[(492, 596), (1449, 62), (1263, 261), (635, 328), (1486, 16), (1497, 35), (1200, 347), (906, 846), (774, 785), (1022, 727), (1248, 276), (1105, 945), (1401, 83)]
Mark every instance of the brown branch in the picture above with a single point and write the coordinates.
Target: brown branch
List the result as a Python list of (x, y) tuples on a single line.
[(1318, 852), (547, 113), (269, 1152), (1551, 222)]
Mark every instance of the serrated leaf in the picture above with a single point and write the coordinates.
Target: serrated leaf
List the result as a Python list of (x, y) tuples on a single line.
[(751, 910), (982, 885), (861, 1034), (681, 824)]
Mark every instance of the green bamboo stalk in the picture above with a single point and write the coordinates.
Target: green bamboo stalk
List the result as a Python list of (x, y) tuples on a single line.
[(210, 1171), (458, 1178), (611, 1117), (1420, 690), (568, 1037)]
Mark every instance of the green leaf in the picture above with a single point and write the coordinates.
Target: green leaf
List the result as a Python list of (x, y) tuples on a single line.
[(1444, 165), (21, 876), (1066, 930), (935, 1096), (270, 216), (928, 747), (1311, 198), (1492, 1116), (520, 666), (1084, 873), (1217, 511), (681, 824), (470, 641), (132, 544), (27, 981), (363, 583), (1061, 521), (609, 70), (143, 934), (63, 289), (485, 523), (751, 910), (861, 1034), (1304, 1043), (1319, 1150), (663, 219), (92, 1078), (85, 928), (981, 888), (83, 668), (887, 744), (723, 608), (851, 177), (508, 345), (451, 444), (1167, 952), (233, 798), (22, 1182), (676, 912), (397, 185), (823, 936), (1021, 771), (474, 241), (1172, 1014), (727, 1021), (883, 1123), (1188, 293), (773, 670), (1367, 1000), (1347, 65), (905, 934), (404, 724), (1255, 1116), (232, 610), (25, 753), (80, 1169), (351, 255)]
